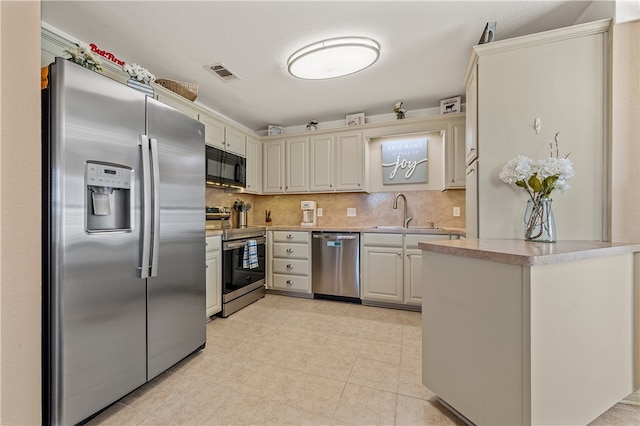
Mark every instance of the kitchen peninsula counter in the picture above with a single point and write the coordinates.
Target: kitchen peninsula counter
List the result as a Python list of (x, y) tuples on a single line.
[(517, 332)]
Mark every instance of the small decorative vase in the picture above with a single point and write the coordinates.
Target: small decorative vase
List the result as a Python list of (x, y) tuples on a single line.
[(400, 115), (140, 86), (539, 223)]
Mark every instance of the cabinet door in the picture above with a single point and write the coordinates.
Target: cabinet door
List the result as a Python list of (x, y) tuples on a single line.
[(455, 165), (349, 162), (471, 118), (413, 277), (297, 165), (254, 166), (213, 276), (382, 274), (213, 130), (273, 167), (234, 141), (321, 170)]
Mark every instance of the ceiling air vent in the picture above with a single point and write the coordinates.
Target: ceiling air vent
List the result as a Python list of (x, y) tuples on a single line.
[(222, 71)]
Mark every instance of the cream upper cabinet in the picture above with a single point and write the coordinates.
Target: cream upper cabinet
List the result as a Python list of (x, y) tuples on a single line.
[(350, 162), (321, 163), (559, 79), (297, 164), (471, 118), (234, 141), (273, 167), (254, 165), (221, 135), (455, 165), (213, 130), (285, 166)]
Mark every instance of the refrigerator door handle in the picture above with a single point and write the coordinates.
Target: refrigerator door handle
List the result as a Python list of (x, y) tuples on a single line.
[(146, 203), (156, 207)]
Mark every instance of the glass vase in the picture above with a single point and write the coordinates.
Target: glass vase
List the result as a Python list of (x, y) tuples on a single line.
[(539, 223)]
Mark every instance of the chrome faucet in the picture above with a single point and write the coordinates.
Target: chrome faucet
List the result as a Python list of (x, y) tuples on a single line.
[(395, 206)]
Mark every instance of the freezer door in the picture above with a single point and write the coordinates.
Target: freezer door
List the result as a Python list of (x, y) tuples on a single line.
[(94, 335), (176, 288)]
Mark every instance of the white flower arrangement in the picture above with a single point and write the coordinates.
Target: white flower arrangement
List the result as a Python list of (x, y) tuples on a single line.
[(399, 110), (81, 55), (540, 178), (139, 73)]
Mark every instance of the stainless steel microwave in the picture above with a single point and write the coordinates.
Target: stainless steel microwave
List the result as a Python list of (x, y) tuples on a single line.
[(225, 169)]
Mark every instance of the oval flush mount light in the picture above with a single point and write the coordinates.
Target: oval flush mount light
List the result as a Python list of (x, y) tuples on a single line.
[(335, 57)]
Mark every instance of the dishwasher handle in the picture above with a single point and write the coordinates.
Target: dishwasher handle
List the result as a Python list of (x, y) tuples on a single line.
[(335, 237)]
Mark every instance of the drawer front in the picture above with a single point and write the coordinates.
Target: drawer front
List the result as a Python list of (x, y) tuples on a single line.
[(214, 243), (287, 250), (291, 282), (291, 266), (375, 239), (411, 241), (291, 236)]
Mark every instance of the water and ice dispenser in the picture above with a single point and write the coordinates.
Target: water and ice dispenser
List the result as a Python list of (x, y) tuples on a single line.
[(108, 197)]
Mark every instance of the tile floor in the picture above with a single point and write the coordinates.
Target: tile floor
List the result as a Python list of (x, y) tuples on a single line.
[(286, 360)]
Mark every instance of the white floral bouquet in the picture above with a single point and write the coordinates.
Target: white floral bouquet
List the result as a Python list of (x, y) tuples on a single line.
[(139, 73), (81, 55), (399, 110), (540, 178)]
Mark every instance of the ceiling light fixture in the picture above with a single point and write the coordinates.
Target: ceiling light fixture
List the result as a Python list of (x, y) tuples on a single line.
[(335, 57)]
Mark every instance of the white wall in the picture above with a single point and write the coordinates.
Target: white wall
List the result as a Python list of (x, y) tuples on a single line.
[(20, 213)]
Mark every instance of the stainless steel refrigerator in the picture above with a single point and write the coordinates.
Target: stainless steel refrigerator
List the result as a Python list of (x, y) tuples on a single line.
[(123, 241)]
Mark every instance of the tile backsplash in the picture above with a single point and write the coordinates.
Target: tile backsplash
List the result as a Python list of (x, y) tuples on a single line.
[(373, 209)]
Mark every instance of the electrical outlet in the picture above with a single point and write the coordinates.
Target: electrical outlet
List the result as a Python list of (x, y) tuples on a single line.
[(319, 212), (351, 212), (456, 211)]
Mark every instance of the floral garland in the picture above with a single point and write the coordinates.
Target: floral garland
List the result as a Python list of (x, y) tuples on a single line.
[(83, 56)]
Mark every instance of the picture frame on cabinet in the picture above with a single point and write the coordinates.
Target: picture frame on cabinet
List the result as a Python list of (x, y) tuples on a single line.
[(274, 130), (450, 105), (355, 119)]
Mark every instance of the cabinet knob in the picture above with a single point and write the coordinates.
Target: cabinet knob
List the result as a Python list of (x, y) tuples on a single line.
[(289, 266), (289, 250), (290, 236), (289, 282)]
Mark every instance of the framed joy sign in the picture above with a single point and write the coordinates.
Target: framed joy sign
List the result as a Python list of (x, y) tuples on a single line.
[(404, 161)]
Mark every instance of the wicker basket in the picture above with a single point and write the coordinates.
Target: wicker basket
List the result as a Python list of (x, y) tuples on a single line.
[(186, 90)]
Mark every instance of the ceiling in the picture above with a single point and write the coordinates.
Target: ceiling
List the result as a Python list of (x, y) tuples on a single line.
[(425, 47)]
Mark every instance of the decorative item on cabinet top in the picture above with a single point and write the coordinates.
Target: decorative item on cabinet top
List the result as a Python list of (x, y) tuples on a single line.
[(274, 130), (399, 110), (82, 56), (186, 90), (355, 119), (450, 105), (312, 126)]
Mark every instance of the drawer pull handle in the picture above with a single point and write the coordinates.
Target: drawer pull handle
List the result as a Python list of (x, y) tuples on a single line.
[(289, 250), (289, 282), (289, 266)]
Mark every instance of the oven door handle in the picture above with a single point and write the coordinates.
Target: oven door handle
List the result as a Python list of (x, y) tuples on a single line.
[(231, 245)]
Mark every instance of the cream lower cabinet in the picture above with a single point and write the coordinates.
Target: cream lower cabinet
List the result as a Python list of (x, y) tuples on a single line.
[(214, 275), (382, 268), (392, 267), (289, 257)]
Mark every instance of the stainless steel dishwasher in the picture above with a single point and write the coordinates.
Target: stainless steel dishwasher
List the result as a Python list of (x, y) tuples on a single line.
[(335, 265)]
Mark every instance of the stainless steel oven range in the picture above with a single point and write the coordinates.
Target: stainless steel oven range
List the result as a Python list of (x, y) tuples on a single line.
[(242, 280)]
